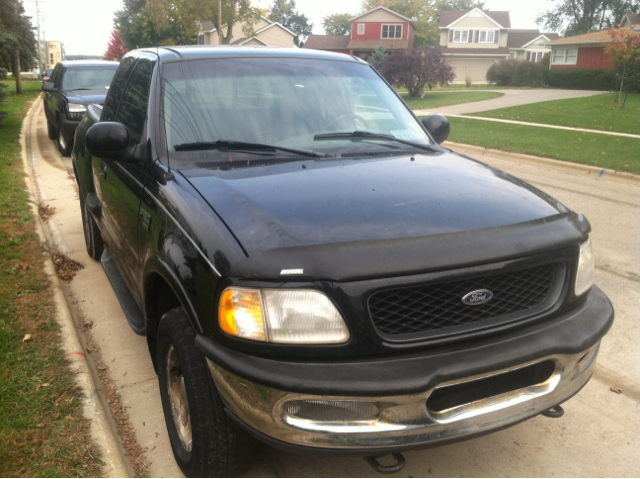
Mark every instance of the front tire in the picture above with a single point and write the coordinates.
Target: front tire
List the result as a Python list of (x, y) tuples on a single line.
[(205, 442), (64, 147), (92, 236)]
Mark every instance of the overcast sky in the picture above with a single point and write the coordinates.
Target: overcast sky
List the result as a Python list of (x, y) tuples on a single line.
[(84, 26)]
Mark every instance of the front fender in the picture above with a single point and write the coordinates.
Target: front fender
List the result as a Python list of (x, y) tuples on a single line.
[(156, 265)]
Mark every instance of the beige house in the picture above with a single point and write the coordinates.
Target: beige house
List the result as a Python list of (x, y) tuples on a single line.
[(266, 34), (53, 53), (473, 41)]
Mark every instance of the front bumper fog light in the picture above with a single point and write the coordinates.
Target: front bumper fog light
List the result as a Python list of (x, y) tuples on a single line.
[(331, 411), (586, 269)]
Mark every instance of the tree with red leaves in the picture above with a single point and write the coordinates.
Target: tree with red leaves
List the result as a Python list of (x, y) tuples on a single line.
[(415, 69), (115, 48), (624, 52)]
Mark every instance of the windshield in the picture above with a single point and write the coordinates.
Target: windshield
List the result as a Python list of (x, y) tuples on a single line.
[(88, 79), (282, 102)]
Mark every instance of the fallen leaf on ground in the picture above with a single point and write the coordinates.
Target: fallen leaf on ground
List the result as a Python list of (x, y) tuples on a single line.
[(26, 338), (70, 418), (616, 390)]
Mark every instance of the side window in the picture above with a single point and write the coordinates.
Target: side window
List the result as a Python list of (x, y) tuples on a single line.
[(115, 90), (133, 106), (56, 76)]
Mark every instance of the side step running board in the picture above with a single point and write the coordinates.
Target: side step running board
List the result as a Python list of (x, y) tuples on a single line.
[(129, 306)]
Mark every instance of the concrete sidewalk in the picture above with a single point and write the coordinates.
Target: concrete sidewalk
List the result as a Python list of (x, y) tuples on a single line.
[(512, 98)]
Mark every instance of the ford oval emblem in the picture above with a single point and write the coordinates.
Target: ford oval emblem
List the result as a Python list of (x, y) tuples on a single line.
[(476, 298)]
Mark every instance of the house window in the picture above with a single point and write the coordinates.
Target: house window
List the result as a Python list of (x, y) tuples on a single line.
[(360, 28), (566, 56), (487, 36), (201, 39), (461, 36), (535, 57), (392, 31)]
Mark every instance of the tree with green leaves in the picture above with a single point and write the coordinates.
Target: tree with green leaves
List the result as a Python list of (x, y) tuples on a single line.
[(17, 42), (337, 24), (144, 23), (284, 12), (426, 13), (230, 14), (576, 17)]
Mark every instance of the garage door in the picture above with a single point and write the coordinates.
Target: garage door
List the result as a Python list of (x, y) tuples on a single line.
[(476, 68)]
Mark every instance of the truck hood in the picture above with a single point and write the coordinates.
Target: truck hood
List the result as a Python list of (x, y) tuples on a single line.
[(338, 201), (86, 97)]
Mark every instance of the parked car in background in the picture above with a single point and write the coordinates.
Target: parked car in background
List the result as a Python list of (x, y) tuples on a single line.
[(47, 75), (311, 268), (71, 87)]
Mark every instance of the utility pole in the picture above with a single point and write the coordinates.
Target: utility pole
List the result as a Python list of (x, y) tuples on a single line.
[(40, 66)]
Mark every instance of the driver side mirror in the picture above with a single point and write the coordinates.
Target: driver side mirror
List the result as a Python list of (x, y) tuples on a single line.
[(110, 140), (48, 86), (438, 127)]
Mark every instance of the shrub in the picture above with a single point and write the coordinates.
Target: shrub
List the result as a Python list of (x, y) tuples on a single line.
[(582, 79), (517, 73), (415, 69), (468, 81), (3, 73)]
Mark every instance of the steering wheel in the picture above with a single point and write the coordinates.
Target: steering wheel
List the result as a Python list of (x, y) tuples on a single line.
[(350, 115)]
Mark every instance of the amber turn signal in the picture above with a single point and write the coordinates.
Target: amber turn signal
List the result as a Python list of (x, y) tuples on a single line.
[(240, 314)]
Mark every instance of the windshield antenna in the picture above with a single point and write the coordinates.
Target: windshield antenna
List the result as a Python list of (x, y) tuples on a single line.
[(169, 176)]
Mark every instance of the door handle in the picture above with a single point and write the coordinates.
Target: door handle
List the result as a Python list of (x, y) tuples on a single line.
[(103, 170)]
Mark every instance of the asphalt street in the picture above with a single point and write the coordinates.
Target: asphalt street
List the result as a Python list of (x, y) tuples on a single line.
[(598, 436)]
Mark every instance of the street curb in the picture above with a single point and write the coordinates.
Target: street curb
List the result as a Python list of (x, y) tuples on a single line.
[(93, 409), (587, 170)]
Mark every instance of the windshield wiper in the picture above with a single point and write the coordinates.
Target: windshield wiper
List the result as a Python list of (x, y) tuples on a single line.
[(369, 134), (231, 145)]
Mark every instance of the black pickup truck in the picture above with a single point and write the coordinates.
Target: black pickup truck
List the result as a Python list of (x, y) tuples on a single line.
[(312, 269)]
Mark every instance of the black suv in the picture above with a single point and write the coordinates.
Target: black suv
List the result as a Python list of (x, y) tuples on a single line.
[(311, 268), (72, 86)]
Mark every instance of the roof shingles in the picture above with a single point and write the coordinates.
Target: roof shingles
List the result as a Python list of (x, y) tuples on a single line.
[(447, 17)]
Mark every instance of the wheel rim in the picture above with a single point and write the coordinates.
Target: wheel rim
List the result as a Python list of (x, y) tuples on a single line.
[(178, 399), (63, 144)]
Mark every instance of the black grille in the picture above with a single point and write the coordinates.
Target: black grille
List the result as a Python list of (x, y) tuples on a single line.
[(437, 307)]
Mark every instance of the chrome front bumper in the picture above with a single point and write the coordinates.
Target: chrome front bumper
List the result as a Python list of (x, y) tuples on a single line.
[(401, 421)]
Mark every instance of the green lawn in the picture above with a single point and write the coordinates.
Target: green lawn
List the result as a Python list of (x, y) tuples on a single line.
[(599, 112), (617, 153), (438, 99), (42, 430)]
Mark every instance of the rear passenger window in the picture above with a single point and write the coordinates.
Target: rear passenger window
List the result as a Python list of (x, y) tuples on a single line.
[(133, 106), (115, 90)]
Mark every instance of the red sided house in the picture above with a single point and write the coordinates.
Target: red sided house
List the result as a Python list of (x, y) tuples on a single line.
[(586, 51), (375, 27)]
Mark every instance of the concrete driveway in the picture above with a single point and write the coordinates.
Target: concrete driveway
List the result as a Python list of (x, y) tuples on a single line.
[(598, 436), (510, 98)]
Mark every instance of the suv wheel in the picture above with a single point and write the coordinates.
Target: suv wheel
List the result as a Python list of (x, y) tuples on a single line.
[(205, 442), (64, 147), (92, 236)]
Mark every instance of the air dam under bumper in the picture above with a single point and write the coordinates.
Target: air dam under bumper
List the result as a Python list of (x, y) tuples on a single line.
[(506, 381), (391, 423)]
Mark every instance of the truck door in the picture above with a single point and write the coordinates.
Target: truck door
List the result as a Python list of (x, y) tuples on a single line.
[(120, 184)]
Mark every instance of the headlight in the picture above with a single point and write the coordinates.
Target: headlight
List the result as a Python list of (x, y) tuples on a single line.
[(76, 110), (281, 316), (586, 269)]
